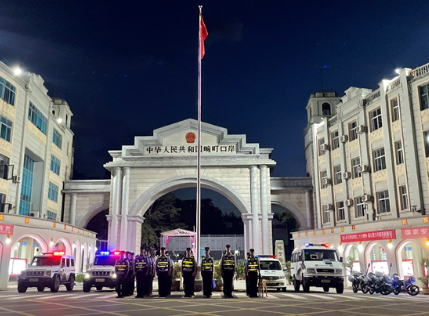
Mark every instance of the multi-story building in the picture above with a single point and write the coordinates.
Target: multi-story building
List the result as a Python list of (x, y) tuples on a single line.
[(35, 146), (368, 155)]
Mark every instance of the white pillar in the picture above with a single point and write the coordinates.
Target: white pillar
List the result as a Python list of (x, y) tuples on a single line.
[(5, 253), (73, 209), (125, 245), (134, 236), (264, 209), (308, 208), (255, 207), (115, 207)]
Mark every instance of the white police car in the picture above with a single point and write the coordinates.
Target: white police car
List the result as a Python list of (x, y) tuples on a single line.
[(102, 271), (317, 265), (272, 272), (48, 270)]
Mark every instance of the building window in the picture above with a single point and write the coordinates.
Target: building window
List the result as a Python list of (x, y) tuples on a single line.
[(424, 98), (379, 159), (335, 140), (353, 131), (383, 202), (2, 202), (27, 186), (5, 128), (376, 122), (53, 192), (355, 168), (337, 173), (399, 152), (426, 142), (57, 138), (340, 211), (394, 105), (323, 175), (37, 118), (321, 142), (7, 91), (55, 165), (360, 208), (326, 214), (51, 216), (4, 170), (326, 109), (404, 197)]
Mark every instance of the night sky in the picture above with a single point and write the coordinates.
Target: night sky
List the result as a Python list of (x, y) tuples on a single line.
[(126, 68)]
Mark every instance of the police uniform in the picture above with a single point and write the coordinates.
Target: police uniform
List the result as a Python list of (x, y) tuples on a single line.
[(228, 269), (130, 277), (151, 272), (247, 278), (207, 274), (188, 269), (121, 270), (252, 268), (141, 269), (164, 278)]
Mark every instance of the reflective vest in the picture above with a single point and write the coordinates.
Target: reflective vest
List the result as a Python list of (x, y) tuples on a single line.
[(228, 262), (188, 264), (252, 265), (207, 264), (141, 264), (121, 266), (162, 264)]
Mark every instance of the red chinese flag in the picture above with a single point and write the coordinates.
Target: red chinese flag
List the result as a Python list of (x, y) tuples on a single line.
[(203, 33)]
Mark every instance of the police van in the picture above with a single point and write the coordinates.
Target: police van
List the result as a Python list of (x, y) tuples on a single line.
[(272, 272), (317, 265), (48, 270), (102, 271)]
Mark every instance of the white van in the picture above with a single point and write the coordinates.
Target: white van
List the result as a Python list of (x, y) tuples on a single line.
[(317, 265), (272, 272)]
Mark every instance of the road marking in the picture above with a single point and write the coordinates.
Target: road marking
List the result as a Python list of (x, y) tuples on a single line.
[(293, 295), (354, 297), (321, 296)]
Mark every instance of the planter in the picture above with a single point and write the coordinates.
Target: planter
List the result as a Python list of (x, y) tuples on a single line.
[(219, 286), (175, 286), (425, 291)]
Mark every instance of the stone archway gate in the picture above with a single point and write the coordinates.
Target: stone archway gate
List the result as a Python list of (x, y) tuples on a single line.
[(166, 161)]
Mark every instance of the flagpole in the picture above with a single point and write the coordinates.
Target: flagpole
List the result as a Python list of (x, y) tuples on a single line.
[(198, 204)]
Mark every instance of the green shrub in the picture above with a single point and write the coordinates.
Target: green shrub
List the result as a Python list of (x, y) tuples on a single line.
[(79, 277), (239, 271), (217, 274), (177, 272)]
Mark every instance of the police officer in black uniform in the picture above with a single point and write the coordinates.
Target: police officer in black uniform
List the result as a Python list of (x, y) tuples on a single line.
[(207, 272), (227, 269), (247, 279), (121, 269), (130, 277), (189, 271), (163, 271), (141, 270), (251, 271)]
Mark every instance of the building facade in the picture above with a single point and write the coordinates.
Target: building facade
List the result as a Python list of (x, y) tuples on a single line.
[(368, 155)]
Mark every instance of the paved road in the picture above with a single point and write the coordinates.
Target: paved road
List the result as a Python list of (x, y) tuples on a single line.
[(315, 303)]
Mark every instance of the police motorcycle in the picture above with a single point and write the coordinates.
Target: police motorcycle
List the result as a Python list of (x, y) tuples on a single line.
[(357, 279), (378, 282), (405, 284)]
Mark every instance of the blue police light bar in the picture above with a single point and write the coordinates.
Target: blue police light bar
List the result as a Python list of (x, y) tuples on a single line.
[(266, 256), (104, 253), (307, 244)]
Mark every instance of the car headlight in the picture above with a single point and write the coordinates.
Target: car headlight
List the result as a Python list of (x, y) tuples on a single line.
[(338, 271), (114, 275), (311, 270), (87, 276)]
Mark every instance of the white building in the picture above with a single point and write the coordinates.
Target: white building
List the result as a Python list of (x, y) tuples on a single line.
[(35, 161), (368, 155)]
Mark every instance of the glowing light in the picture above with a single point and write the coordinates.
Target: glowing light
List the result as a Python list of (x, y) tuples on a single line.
[(17, 71), (51, 243), (114, 275), (59, 253), (87, 276), (340, 248), (117, 253), (389, 245), (360, 247), (59, 120), (168, 239), (427, 242), (96, 249), (8, 240), (398, 70)]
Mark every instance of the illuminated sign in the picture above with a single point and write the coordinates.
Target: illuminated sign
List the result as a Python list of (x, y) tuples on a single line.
[(6, 229), (416, 232), (376, 235)]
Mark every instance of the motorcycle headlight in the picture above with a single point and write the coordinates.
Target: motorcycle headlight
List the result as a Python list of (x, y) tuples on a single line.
[(311, 270), (87, 276), (338, 271)]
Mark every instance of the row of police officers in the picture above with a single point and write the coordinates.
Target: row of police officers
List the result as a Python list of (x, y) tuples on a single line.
[(144, 266)]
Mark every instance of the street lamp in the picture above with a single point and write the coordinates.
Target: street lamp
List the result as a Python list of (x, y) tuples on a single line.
[(17, 71)]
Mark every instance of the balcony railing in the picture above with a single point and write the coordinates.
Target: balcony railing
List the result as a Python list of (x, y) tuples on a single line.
[(372, 97), (394, 84), (420, 71)]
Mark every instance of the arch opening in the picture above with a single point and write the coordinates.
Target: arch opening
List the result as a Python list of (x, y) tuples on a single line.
[(283, 224), (409, 254)]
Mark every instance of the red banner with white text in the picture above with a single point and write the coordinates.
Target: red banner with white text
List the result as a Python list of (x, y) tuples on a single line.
[(376, 235)]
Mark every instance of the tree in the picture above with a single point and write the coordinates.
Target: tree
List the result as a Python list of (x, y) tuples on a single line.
[(162, 215)]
